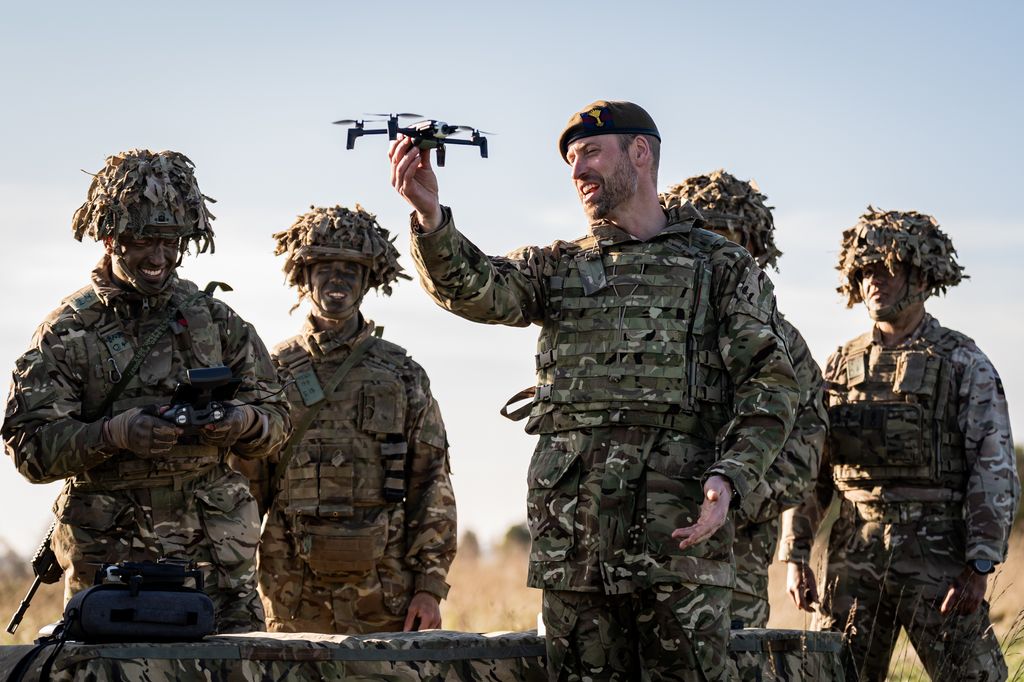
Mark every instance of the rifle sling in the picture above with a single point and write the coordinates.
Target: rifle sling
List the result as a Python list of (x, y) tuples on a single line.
[(143, 352), (307, 419)]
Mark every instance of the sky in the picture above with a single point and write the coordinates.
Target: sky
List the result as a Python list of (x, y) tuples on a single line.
[(828, 106)]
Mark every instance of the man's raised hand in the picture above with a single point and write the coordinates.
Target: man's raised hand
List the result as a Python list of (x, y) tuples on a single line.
[(413, 177)]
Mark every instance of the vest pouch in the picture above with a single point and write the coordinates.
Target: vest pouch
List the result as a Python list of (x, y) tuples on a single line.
[(301, 485), (875, 440), (337, 480), (553, 480), (382, 408), (335, 549)]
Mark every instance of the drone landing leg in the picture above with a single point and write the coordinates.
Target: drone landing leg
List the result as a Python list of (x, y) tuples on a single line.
[(440, 155)]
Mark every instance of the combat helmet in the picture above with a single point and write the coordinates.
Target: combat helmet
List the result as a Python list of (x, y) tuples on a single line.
[(898, 238), (146, 194), (338, 233), (733, 208)]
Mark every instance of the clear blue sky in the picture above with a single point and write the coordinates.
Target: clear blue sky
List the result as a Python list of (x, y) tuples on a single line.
[(911, 105)]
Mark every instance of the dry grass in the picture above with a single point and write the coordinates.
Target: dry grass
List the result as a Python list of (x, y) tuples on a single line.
[(47, 605), (490, 593)]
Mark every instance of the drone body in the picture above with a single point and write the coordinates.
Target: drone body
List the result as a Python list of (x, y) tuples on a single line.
[(425, 133)]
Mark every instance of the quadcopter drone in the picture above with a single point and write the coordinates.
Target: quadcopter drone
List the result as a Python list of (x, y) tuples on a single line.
[(426, 133)]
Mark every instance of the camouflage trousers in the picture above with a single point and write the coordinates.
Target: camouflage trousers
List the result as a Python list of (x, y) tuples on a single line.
[(754, 549), (882, 576), (669, 631), (210, 518), (351, 600)]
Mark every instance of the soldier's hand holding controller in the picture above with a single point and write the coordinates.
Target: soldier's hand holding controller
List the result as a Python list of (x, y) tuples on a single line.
[(141, 433), (235, 425), (713, 512)]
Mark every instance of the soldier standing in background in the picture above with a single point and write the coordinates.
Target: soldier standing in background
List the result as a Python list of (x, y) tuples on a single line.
[(736, 210), (921, 456), (81, 401), (664, 392), (361, 528)]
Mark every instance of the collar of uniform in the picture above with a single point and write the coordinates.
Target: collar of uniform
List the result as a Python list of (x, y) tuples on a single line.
[(926, 326), (324, 342), (111, 293), (680, 219)]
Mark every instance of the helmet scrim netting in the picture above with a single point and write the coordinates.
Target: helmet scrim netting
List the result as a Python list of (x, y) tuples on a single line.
[(338, 233), (897, 238), (733, 208)]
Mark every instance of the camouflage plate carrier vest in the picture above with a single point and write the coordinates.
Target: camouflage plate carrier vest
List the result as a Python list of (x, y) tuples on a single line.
[(105, 350), (345, 481), (631, 339), (894, 415)]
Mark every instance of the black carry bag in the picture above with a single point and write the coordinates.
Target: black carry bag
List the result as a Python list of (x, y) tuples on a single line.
[(142, 602)]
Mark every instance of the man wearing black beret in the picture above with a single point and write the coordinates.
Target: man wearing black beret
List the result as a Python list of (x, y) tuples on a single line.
[(663, 392)]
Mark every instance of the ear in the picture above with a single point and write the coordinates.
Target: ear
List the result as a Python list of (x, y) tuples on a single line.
[(641, 150), (108, 245)]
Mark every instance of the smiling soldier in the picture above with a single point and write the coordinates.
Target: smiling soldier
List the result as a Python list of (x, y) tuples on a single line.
[(663, 392), (921, 456), (82, 402), (361, 528)]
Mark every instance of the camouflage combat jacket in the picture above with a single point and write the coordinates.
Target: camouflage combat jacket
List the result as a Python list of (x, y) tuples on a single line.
[(369, 485), (76, 358), (675, 335), (792, 475), (919, 430)]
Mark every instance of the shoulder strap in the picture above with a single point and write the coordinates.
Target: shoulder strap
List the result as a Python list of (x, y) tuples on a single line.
[(300, 428), (143, 352)]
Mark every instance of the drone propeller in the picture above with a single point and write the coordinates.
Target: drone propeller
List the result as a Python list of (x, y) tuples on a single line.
[(346, 122), (471, 129), (403, 115)]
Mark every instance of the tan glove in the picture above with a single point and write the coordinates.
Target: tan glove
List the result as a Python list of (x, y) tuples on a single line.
[(141, 433), (235, 425)]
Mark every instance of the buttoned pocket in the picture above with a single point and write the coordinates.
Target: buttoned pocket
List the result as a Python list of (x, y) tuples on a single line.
[(553, 479)]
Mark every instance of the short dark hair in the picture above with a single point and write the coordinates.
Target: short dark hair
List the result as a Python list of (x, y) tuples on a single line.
[(655, 144)]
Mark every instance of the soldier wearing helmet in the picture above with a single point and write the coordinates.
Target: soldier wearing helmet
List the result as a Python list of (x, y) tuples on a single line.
[(736, 210), (86, 398), (920, 456), (663, 391), (361, 524)]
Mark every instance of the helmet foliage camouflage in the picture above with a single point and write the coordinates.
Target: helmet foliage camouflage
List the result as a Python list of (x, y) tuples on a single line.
[(338, 233), (733, 208), (894, 238), (145, 194)]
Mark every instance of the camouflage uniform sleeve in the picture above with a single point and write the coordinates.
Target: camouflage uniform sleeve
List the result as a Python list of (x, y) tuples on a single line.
[(249, 360), (430, 517), (800, 524), (993, 486), (491, 290), (41, 430), (764, 383), (794, 472)]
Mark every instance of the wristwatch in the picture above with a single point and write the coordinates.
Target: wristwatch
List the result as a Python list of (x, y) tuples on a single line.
[(981, 566)]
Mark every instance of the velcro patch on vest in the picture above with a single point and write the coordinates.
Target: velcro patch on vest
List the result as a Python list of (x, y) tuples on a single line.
[(308, 386), (116, 342), (856, 369), (83, 300)]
